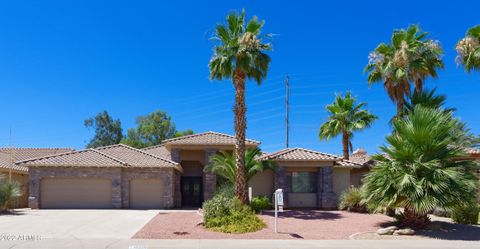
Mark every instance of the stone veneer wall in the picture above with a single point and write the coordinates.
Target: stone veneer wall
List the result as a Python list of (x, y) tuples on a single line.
[(167, 176), (326, 198), (209, 179), (120, 178)]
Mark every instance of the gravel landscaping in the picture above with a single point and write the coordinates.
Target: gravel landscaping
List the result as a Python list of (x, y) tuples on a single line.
[(298, 224)]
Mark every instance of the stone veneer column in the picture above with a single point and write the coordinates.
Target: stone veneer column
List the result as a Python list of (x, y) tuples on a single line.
[(329, 198), (175, 156), (209, 179), (34, 187), (281, 181), (319, 187)]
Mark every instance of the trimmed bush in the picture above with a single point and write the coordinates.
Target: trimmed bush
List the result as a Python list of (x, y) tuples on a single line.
[(228, 215), (240, 219), (468, 214), (260, 203), (352, 200)]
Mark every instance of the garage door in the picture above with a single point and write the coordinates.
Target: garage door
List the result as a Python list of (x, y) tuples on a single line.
[(75, 193), (146, 193)]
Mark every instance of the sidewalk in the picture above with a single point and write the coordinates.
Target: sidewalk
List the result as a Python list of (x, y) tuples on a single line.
[(237, 244)]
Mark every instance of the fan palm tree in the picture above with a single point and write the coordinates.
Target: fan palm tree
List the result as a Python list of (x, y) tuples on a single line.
[(240, 56), (345, 117), (468, 50), (417, 170), (224, 165), (409, 59)]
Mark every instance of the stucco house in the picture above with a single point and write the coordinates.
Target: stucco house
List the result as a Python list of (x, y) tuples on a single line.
[(8, 168), (170, 175)]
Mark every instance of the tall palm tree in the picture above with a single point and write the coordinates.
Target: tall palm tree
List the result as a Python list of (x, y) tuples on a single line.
[(223, 164), (240, 55), (417, 170), (409, 59), (345, 117), (468, 50)]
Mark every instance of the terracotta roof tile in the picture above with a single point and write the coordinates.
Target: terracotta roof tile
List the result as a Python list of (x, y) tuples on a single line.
[(160, 151), (136, 157), (207, 138), (81, 158), (301, 154), (8, 156)]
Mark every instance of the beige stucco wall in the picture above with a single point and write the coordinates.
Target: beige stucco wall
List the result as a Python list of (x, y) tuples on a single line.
[(192, 168), (357, 175), (192, 155), (21, 178), (262, 183), (302, 199), (341, 180)]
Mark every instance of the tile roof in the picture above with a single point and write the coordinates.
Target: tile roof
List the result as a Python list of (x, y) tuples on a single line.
[(81, 158), (472, 151), (118, 155), (159, 150), (207, 138), (136, 157), (8, 156), (301, 154)]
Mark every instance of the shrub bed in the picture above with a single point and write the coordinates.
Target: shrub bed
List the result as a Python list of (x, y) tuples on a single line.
[(352, 200), (468, 214), (260, 203), (228, 215)]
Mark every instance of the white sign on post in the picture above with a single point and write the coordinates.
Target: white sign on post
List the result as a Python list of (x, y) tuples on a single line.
[(278, 199)]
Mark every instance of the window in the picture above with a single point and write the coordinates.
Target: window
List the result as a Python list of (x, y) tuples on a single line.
[(304, 182)]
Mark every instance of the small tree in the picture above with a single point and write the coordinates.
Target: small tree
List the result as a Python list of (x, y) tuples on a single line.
[(418, 170), (224, 165), (9, 191), (345, 117), (107, 130)]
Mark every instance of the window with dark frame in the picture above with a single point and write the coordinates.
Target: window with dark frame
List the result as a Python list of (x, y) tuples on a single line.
[(303, 182)]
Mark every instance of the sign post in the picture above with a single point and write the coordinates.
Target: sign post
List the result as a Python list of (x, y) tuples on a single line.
[(278, 199)]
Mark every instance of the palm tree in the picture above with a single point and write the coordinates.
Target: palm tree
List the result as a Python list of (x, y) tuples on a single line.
[(417, 170), (468, 50), (224, 165), (345, 117), (240, 55), (9, 191), (409, 59)]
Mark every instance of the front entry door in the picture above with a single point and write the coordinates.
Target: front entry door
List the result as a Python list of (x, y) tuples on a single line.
[(192, 193)]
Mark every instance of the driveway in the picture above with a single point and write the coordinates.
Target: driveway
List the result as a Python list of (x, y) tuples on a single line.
[(73, 223)]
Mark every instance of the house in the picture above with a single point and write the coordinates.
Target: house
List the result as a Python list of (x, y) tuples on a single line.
[(8, 168), (170, 175)]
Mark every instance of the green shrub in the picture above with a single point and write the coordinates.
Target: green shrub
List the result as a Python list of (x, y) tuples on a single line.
[(352, 200), (468, 214), (260, 203), (9, 191), (238, 219)]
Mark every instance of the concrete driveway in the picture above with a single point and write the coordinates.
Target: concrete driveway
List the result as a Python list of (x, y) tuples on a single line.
[(74, 223)]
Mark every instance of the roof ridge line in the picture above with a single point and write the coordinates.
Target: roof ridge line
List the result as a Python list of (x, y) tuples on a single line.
[(110, 157), (49, 156), (148, 154)]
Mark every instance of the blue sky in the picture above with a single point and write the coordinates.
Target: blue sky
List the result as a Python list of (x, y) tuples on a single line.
[(63, 61)]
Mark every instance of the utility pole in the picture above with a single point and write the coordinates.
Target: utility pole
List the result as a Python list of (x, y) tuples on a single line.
[(11, 156), (287, 128)]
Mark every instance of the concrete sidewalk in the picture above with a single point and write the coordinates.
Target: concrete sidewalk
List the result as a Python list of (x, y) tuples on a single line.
[(240, 244)]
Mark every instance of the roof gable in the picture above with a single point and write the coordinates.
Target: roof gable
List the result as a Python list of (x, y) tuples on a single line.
[(136, 157), (8, 156), (81, 158), (301, 154)]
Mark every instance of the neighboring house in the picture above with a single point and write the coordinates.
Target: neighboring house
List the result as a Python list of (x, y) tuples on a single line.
[(171, 175), (8, 168)]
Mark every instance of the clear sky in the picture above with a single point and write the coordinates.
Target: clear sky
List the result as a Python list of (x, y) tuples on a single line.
[(63, 61)]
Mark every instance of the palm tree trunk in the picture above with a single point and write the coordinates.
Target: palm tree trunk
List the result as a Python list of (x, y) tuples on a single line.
[(419, 85), (413, 219), (240, 128), (345, 144)]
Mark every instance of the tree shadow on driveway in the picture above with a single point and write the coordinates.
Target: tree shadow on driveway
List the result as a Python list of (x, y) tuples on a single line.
[(306, 214)]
